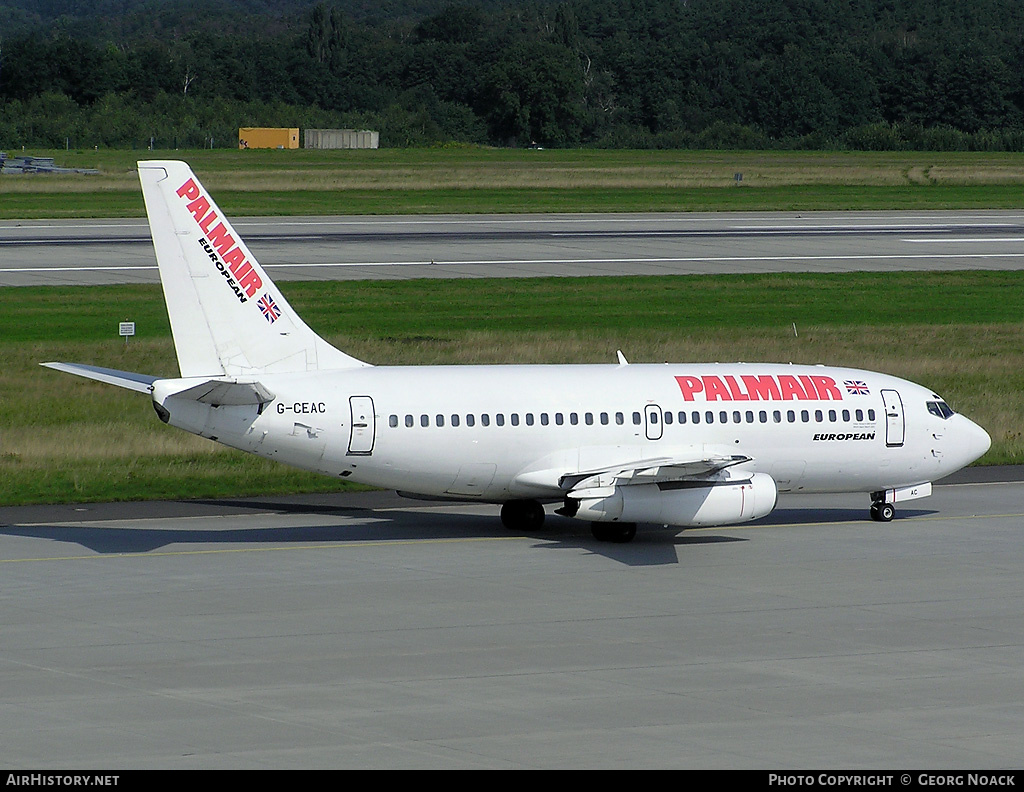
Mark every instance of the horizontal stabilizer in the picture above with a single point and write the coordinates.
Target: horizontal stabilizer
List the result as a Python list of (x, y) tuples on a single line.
[(143, 383), (226, 392)]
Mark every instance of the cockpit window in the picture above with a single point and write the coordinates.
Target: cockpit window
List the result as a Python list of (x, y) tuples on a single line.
[(939, 409)]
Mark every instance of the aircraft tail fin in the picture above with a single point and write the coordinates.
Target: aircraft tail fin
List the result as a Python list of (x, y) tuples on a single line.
[(227, 316)]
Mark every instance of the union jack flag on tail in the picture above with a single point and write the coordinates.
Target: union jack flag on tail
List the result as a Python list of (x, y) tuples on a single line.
[(269, 308)]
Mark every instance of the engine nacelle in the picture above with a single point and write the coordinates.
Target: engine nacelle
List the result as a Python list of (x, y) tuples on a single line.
[(681, 503)]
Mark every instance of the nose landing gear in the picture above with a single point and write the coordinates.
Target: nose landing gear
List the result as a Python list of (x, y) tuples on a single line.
[(882, 511)]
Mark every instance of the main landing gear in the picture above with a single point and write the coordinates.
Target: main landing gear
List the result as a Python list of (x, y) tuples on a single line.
[(527, 516), (522, 515), (882, 511)]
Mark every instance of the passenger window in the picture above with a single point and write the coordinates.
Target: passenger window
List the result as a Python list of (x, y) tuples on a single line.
[(543, 419), (846, 415), (604, 419), (736, 418), (763, 416), (696, 417), (393, 421), (750, 416), (668, 417), (559, 419), (805, 416), (440, 420), (637, 419), (709, 417), (485, 419), (529, 419), (681, 417), (620, 419), (409, 420), (860, 415), (791, 416), (777, 416), (514, 419), (455, 419), (574, 419), (832, 415), (871, 415), (588, 418), (499, 419), (819, 416), (470, 420), (424, 420)]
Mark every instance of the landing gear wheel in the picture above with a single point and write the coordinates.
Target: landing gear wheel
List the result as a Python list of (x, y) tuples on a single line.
[(620, 533), (882, 512), (522, 515)]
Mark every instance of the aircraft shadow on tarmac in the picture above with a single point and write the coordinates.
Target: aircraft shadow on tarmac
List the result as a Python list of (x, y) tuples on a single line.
[(836, 516), (654, 545)]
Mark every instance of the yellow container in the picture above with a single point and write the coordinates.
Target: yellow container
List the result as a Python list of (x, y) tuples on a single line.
[(268, 137)]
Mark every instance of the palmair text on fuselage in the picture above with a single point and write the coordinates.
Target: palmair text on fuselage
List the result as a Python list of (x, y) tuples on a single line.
[(616, 445)]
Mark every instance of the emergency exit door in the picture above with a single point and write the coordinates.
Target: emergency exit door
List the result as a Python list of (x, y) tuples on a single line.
[(654, 421)]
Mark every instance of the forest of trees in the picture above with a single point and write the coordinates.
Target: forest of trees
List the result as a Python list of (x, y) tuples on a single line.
[(860, 74)]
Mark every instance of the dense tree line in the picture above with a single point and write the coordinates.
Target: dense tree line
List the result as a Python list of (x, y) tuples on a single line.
[(874, 74)]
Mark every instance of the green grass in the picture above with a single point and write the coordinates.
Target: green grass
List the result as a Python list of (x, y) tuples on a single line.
[(449, 308), (67, 439), (410, 181), (802, 198)]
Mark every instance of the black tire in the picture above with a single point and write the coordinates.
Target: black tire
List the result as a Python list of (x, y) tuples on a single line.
[(522, 515), (882, 512)]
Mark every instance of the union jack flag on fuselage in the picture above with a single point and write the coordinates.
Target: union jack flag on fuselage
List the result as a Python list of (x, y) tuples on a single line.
[(856, 387), (269, 308)]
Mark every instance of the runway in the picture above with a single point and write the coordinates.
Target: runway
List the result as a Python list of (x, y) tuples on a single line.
[(366, 631), (340, 248)]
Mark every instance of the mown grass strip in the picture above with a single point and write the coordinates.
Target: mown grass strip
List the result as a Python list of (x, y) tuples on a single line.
[(804, 198), (469, 180)]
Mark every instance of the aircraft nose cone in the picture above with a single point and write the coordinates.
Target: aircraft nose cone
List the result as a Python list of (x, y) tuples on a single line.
[(975, 441), (980, 441)]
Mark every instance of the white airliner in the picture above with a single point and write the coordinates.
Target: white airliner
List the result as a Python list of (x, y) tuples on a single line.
[(618, 444)]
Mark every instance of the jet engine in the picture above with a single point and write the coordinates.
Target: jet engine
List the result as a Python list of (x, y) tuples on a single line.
[(681, 503)]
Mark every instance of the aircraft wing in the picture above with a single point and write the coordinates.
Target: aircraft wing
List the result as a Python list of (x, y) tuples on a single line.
[(652, 471)]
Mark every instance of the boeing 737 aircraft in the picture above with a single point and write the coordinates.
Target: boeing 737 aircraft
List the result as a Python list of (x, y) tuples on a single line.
[(616, 445)]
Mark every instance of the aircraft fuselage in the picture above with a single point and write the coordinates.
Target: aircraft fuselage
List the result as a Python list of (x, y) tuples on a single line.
[(493, 432)]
